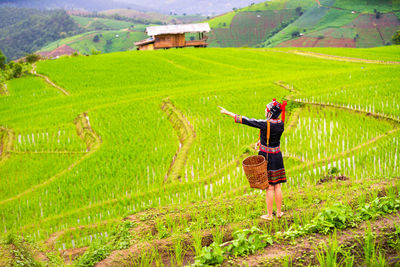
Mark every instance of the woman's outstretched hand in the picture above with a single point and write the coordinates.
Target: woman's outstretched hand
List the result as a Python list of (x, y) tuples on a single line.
[(224, 111)]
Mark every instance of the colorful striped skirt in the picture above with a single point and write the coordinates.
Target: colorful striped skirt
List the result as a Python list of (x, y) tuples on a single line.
[(276, 170)]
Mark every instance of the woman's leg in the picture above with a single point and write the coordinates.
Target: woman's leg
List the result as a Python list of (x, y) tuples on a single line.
[(278, 198), (270, 199)]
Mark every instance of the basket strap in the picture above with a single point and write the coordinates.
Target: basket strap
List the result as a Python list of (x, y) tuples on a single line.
[(268, 132)]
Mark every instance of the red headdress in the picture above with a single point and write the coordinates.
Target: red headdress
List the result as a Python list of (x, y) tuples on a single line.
[(276, 109)]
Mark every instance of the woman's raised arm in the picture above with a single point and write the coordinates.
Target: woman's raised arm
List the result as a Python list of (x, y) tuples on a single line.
[(260, 124)]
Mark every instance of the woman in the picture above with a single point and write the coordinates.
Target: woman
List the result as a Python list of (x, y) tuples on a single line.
[(276, 170)]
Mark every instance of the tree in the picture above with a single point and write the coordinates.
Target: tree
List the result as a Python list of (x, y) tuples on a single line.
[(31, 58), (63, 35), (295, 34), (396, 38), (96, 38), (3, 60)]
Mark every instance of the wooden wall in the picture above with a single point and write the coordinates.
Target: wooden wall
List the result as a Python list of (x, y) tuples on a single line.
[(146, 47), (169, 40)]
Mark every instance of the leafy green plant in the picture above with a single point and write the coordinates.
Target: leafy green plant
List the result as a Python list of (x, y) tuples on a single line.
[(247, 241), (338, 216), (394, 238), (213, 254), (22, 252), (121, 237), (378, 207)]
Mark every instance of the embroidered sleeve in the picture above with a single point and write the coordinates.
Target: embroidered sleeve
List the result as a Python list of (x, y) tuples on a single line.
[(238, 119), (260, 124)]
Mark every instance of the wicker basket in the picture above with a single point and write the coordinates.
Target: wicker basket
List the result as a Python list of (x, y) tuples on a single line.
[(255, 168)]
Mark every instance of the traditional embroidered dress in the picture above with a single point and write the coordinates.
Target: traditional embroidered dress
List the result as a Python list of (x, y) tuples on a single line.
[(276, 170)]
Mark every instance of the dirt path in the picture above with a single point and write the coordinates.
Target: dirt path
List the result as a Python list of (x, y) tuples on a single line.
[(341, 58), (6, 143), (47, 80), (93, 142), (3, 89), (186, 135)]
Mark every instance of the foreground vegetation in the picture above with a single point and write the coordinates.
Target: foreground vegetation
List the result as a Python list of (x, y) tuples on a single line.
[(111, 149)]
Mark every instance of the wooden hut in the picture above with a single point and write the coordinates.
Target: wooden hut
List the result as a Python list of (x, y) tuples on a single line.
[(170, 36)]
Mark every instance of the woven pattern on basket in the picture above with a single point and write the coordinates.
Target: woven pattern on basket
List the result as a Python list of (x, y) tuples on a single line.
[(255, 168)]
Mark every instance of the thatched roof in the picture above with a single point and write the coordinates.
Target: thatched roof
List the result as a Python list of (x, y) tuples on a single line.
[(175, 29)]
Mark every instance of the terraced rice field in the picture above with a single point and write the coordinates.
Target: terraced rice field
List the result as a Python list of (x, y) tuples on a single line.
[(131, 163)]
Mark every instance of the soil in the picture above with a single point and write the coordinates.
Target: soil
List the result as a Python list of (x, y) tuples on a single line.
[(330, 178), (70, 255)]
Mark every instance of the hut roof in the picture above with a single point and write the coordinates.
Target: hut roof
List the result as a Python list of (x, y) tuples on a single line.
[(145, 41), (175, 29)]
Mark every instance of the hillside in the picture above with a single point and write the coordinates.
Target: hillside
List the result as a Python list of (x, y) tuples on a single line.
[(24, 31), (90, 5), (106, 41), (305, 23), (336, 23), (125, 158)]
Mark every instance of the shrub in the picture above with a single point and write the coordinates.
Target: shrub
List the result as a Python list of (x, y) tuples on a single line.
[(31, 58), (395, 39)]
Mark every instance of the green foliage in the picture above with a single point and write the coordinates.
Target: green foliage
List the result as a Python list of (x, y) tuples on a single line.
[(244, 242), (3, 60), (373, 256), (31, 58), (378, 207), (213, 254), (96, 52), (247, 241), (119, 239), (340, 216), (394, 238), (96, 38), (333, 171), (328, 253), (27, 30), (396, 38), (22, 253)]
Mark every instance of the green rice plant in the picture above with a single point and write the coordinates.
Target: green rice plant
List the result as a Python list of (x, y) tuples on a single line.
[(197, 238), (329, 253), (45, 191), (179, 251)]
